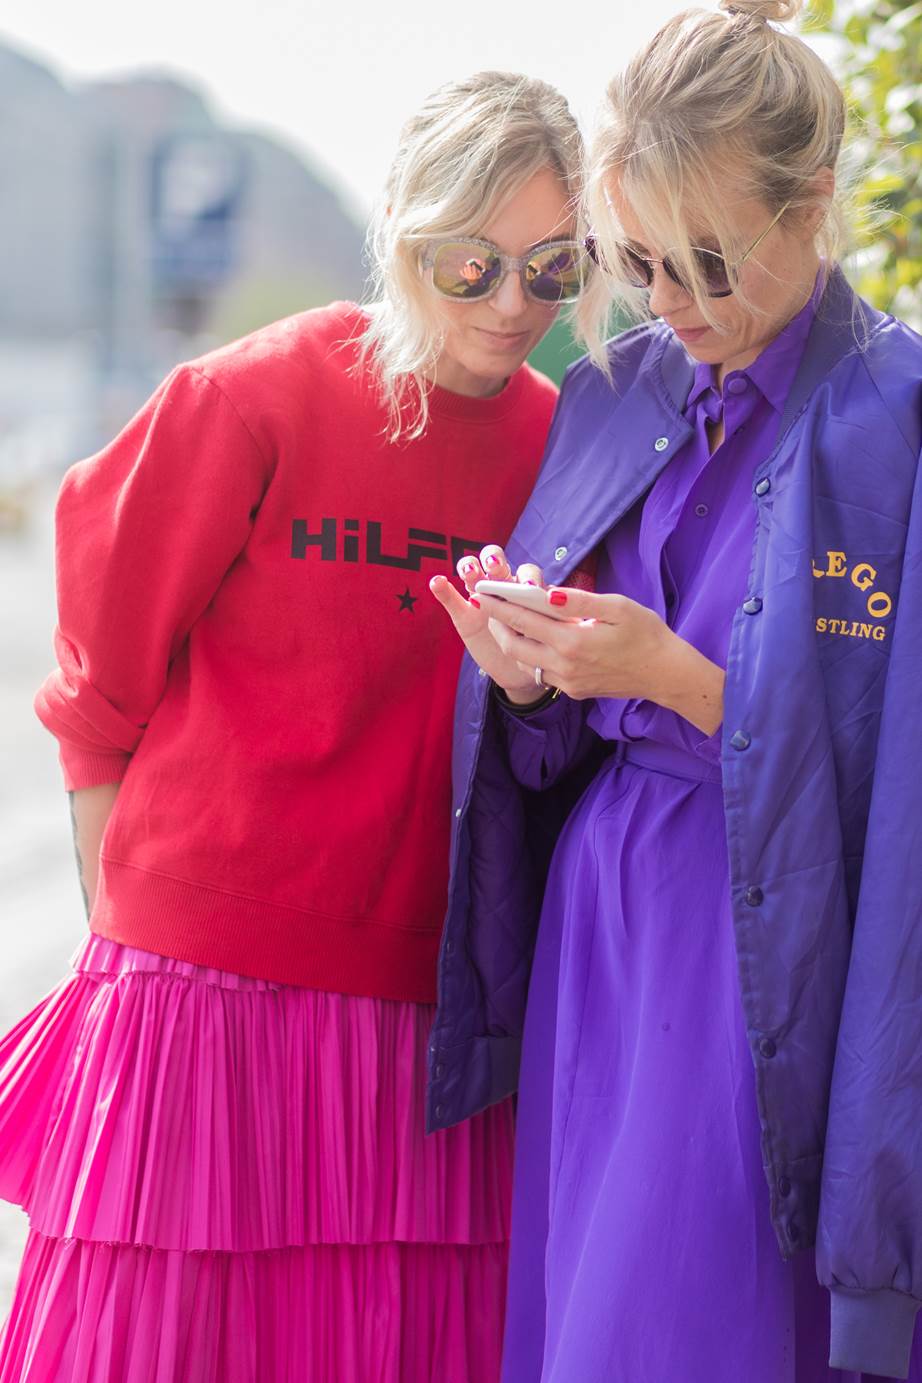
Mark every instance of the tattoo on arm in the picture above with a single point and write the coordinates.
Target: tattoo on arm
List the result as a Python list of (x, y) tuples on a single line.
[(73, 822)]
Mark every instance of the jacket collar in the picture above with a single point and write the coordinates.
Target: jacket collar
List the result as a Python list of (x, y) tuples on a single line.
[(841, 322), (624, 441)]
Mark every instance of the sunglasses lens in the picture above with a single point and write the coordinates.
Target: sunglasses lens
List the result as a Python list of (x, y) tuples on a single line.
[(463, 269), (713, 270), (557, 274), (636, 269)]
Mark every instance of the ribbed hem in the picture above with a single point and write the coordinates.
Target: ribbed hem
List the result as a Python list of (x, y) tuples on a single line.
[(268, 941), (871, 1332), (84, 768)]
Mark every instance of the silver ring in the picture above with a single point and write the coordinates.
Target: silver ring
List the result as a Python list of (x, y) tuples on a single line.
[(539, 677)]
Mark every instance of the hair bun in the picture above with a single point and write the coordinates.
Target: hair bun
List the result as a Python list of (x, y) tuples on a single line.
[(778, 11)]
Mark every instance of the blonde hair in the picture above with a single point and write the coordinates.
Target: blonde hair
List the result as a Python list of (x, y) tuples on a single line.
[(711, 91), (471, 147)]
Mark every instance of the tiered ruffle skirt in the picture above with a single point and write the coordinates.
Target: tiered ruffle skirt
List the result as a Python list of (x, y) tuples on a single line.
[(227, 1181)]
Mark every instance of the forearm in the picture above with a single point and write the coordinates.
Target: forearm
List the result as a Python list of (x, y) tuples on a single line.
[(546, 746), (692, 686), (90, 809)]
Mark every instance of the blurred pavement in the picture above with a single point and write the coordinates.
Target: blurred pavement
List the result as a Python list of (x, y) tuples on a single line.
[(42, 913)]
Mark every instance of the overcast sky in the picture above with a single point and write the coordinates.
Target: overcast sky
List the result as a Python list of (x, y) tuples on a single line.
[(337, 78)]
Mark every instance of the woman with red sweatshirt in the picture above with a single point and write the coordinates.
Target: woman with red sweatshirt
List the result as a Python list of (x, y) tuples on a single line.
[(216, 1122)]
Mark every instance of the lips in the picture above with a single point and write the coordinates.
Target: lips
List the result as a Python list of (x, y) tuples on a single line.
[(506, 340), (689, 334)]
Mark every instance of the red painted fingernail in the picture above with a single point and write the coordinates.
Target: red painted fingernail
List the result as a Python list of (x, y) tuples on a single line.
[(557, 598), (492, 560), (531, 583), (475, 602), (468, 567)]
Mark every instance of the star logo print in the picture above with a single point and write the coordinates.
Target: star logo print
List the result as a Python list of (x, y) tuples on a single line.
[(407, 601)]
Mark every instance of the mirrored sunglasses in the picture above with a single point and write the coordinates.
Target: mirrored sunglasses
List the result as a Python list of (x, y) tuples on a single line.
[(470, 270)]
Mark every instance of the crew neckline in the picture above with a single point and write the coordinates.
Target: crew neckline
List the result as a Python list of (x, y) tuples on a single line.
[(443, 403)]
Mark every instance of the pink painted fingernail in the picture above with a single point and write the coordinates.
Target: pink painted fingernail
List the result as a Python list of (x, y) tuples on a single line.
[(492, 560), (474, 601), (469, 568), (530, 583), (557, 598)]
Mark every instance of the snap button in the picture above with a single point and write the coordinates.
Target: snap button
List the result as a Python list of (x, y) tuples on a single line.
[(481, 672), (784, 1186), (763, 486), (753, 605), (457, 811), (701, 510), (661, 444), (767, 1048), (559, 554), (740, 740), (737, 385), (754, 896)]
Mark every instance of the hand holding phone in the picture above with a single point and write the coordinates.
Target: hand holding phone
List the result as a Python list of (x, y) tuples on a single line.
[(531, 597)]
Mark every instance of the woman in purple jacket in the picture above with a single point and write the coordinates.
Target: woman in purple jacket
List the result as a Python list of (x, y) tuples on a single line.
[(737, 692)]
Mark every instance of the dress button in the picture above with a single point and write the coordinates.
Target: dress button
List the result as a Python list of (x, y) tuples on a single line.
[(481, 672), (738, 385), (784, 1186), (559, 554), (740, 740), (754, 896), (439, 1110), (449, 948), (701, 510), (661, 444), (457, 811), (763, 486), (753, 605), (440, 1071), (767, 1048)]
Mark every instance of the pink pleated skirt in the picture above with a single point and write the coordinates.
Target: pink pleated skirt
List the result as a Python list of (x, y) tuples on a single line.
[(227, 1181)]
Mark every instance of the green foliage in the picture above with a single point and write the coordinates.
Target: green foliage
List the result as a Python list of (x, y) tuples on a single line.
[(878, 54), (555, 352)]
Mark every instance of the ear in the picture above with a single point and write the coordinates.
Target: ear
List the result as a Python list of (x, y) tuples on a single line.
[(822, 191)]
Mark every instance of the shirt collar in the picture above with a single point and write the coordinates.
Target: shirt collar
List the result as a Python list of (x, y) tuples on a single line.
[(774, 370)]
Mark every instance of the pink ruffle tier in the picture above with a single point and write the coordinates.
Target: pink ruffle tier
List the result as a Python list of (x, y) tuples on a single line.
[(228, 1179)]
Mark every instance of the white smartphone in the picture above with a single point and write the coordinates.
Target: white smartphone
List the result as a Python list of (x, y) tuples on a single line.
[(532, 597)]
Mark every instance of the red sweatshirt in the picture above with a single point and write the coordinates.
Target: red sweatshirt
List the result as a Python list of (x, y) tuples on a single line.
[(246, 638)]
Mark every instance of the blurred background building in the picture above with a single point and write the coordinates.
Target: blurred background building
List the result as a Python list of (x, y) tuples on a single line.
[(136, 231)]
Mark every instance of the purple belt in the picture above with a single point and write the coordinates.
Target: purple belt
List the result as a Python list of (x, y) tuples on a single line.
[(667, 758)]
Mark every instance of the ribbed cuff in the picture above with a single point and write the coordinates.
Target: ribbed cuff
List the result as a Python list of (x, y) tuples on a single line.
[(85, 768), (871, 1332), (550, 698)]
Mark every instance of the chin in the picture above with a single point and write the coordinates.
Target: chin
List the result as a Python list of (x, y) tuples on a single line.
[(490, 364)]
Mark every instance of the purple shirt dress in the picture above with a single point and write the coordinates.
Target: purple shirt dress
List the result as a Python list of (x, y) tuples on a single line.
[(642, 1249)]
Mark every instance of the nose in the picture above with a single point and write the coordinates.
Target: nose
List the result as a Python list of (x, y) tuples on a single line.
[(509, 300), (666, 295)]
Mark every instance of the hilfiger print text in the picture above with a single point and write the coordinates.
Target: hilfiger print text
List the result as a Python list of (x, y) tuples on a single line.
[(363, 540)]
